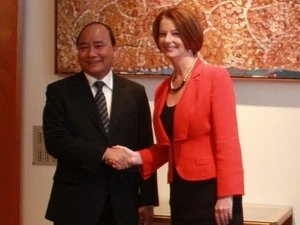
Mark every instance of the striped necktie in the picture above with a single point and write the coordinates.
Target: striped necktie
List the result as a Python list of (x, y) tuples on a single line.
[(101, 104)]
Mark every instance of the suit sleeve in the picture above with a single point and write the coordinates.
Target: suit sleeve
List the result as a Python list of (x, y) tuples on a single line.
[(230, 180), (60, 140), (148, 188)]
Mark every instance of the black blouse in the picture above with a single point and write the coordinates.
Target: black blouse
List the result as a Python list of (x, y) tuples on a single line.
[(167, 117)]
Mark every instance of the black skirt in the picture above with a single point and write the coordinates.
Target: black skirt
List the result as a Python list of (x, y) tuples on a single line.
[(193, 202)]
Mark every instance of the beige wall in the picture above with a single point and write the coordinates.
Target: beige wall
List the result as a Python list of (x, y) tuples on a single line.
[(268, 115)]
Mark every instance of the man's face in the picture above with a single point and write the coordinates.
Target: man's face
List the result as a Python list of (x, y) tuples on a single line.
[(95, 51)]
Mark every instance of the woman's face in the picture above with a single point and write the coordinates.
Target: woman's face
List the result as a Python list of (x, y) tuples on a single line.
[(170, 42)]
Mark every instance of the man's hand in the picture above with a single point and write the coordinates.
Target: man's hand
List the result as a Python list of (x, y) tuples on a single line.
[(146, 215), (118, 158), (223, 210)]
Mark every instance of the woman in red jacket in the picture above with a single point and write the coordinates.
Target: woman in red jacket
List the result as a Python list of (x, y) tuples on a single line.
[(196, 129)]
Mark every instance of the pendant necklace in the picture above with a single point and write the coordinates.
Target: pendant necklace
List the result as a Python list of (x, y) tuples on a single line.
[(184, 79)]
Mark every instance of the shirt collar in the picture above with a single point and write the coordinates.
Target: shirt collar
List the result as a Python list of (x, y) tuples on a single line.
[(108, 80)]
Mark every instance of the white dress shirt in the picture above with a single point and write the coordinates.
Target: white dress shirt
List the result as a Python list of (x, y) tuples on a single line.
[(107, 88)]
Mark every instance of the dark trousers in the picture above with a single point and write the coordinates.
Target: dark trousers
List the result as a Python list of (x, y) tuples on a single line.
[(107, 217)]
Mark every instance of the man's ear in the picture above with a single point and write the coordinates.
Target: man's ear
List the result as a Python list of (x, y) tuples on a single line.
[(115, 52)]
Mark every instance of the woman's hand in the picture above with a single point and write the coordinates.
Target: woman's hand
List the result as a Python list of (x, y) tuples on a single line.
[(134, 158), (223, 210)]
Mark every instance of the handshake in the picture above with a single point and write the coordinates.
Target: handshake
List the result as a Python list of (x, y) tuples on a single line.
[(120, 157)]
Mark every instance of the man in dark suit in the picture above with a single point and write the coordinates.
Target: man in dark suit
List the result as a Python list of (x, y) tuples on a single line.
[(86, 191)]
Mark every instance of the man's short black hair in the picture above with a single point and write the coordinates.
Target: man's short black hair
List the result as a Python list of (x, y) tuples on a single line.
[(111, 34)]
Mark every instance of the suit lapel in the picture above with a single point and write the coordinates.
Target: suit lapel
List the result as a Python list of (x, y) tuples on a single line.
[(82, 92), (116, 104)]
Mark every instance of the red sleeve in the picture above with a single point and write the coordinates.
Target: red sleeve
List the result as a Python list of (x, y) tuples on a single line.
[(230, 175), (153, 158)]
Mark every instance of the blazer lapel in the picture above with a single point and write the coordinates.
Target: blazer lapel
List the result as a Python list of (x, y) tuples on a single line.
[(82, 92), (185, 106), (160, 101)]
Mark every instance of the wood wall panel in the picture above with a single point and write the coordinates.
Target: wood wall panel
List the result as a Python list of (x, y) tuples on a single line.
[(10, 105)]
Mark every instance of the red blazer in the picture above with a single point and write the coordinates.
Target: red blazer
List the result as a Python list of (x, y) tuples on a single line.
[(206, 143)]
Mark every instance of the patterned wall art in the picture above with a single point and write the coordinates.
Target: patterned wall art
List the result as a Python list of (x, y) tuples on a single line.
[(251, 38)]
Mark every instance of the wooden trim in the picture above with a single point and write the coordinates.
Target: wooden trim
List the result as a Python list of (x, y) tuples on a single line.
[(10, 111)]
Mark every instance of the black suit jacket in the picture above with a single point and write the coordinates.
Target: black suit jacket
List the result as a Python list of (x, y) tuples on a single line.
[(74, 135)]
